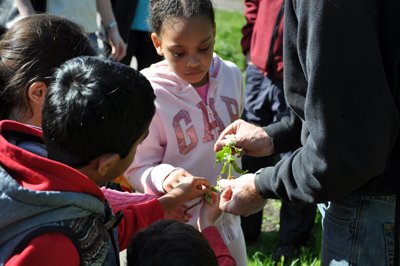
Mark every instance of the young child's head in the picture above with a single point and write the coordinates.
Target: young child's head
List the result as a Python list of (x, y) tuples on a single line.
[(96, 112), (30, 51), (170, 243), (184, 33)]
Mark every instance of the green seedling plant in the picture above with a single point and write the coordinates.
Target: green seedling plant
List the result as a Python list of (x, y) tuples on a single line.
[(228, 155)]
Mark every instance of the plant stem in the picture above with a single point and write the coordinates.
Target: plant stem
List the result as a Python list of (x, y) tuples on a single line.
[(194, 205), (230, 171)]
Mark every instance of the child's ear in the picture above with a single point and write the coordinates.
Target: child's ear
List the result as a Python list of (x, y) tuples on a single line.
[(37, 92), (157, 43), (105, 161)]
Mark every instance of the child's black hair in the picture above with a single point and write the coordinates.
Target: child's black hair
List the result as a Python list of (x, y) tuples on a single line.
[(170, 243), (93, 107), (161, 10)]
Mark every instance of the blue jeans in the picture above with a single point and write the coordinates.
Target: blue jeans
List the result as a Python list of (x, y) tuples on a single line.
[(264, 97), (358, 231)]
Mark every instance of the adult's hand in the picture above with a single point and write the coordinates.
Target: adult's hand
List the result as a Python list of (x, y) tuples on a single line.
[(240, 196), (253, 139), (118, 47), (25, 7)]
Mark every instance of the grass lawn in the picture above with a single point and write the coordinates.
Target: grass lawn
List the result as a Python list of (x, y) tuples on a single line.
[(227, 46), (259, 251), (228, 35)]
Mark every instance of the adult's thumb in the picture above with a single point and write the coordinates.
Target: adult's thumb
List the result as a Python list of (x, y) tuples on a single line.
[(219, 145)]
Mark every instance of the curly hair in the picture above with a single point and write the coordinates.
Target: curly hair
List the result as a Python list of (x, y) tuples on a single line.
[(163, 11)]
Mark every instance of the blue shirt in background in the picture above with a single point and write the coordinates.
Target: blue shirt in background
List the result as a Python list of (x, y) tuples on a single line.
[(141, 15)]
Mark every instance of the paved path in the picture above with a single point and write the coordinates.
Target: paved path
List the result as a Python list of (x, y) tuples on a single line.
[(231, 5)]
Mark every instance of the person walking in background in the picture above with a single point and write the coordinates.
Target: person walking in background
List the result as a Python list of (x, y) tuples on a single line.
[(262, 44), (84, 13), (133, 19)]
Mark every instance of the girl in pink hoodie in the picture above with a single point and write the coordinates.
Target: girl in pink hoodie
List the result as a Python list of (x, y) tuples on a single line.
[(198, 95)]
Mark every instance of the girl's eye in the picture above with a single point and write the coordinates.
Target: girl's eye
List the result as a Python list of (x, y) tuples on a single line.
[(205, 49), (177, 54)]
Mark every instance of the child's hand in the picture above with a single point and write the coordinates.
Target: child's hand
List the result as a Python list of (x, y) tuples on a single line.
[(178, 213), (191, 188), (174, 178), (209, 212), (188, 189)]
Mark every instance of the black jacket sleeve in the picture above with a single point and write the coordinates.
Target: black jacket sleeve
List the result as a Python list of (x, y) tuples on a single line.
[(341, 79)]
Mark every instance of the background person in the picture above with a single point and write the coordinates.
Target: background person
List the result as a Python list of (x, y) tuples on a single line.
[(84, 13), (133, 19), (341, 95)]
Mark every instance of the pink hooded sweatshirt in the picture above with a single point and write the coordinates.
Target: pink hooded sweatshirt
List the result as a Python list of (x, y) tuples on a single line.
[(184, 130)]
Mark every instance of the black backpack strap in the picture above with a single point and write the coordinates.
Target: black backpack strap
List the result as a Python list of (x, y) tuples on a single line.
[(48, 229)]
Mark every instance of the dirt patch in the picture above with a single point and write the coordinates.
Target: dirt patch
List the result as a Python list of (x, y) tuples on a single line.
[(271, 216)]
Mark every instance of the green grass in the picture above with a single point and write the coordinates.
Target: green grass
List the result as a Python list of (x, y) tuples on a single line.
[(228, 35), (259, 252)]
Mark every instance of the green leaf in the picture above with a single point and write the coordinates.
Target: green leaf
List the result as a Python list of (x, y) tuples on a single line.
[(219, 157), (238, 170), (224, 170), (227, 150), (208, 197), (238, 150)]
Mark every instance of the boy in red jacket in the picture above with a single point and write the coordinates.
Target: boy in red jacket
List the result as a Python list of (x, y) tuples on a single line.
[(95, 114)]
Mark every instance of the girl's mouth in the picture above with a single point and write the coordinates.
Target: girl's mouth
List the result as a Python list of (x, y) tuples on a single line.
[(194, 73)]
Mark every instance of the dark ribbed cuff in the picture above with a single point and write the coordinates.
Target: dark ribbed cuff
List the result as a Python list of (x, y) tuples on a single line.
[(256, 184)]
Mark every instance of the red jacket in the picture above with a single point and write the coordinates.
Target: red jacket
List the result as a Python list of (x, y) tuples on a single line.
[(38, 173), (262, 17), (218, 245)]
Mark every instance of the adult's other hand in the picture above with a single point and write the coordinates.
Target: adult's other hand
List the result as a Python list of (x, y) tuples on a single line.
[(253, 139), (240, 196)]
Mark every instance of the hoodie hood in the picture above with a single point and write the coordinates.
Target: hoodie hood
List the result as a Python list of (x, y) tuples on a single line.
[(35, 190)]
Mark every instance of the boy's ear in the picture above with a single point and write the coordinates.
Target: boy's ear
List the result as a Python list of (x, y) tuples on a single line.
[(157, 43), (37, 92), (105, 161)]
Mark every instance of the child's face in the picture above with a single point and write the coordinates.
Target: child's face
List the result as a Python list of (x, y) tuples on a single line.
[(188, 46)]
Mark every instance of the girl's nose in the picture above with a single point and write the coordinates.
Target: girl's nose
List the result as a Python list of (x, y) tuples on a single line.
[(193, 61)]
